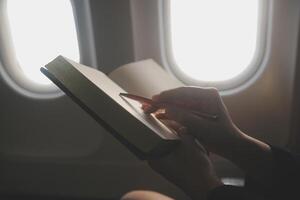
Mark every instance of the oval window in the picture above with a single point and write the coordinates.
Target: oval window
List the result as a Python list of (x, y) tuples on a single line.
[(213, 40), (40, 31)]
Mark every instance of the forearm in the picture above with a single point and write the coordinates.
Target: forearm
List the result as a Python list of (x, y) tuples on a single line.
[(272, 172), (251, 155), (233, 193)]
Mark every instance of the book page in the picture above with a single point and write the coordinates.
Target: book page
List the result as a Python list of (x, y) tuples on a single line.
[(112, 90), (145, 78)]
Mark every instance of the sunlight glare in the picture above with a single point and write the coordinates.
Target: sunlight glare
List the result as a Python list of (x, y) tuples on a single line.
[(41, 30), (213, 40)]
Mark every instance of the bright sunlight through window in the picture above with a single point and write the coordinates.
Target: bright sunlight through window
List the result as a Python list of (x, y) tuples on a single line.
[(213, 40), (41, 30)]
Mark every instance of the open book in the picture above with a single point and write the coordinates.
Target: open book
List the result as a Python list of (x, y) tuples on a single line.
[(98, 94)]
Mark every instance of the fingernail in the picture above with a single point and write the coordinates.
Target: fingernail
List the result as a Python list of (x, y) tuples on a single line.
[(149, 110), (160, 116)]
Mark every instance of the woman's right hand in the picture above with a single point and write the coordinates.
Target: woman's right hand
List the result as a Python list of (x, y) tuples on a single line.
[(219, 135), (214, 134)]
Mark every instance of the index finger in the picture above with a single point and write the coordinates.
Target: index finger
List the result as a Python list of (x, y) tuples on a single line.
[(189, 93), (171, 95)]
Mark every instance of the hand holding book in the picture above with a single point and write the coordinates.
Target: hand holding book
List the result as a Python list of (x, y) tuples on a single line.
[(98, 95)]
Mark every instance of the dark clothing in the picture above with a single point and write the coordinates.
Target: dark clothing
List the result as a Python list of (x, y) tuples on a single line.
[(283, 183)]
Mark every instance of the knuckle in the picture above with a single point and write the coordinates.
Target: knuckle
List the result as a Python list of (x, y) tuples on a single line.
[(163, 93), (214, 90), (181, 88)]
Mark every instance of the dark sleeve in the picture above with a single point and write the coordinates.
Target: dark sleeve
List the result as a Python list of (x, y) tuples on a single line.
[(284, 176), (282, 184), (233, 193)]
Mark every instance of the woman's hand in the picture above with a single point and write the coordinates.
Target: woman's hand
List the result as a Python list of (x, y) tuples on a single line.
[(220, 136), (216, 135), (188, 166)]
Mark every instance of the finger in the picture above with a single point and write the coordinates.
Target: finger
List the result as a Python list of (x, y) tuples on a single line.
[(168, 95), (151, 109), (178, 128), (148, 108), (192, 122), (155, 97), (144, 106), (160, 115), (183, 134), (188, 93), (182, 116)]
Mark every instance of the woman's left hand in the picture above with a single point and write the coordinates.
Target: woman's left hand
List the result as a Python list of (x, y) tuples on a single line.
[(188, 166)]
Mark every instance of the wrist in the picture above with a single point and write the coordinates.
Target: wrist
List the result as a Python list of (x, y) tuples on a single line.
[(233, 139), (248, 153)]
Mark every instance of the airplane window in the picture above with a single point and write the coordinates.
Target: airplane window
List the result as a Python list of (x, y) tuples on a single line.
[(213, 40), (40, 31)]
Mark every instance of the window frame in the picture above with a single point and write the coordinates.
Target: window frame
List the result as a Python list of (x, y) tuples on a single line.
[(253, 70), (11, 71)]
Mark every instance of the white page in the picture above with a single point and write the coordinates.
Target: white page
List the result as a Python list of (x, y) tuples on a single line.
[(145, 78), (113, 90)]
